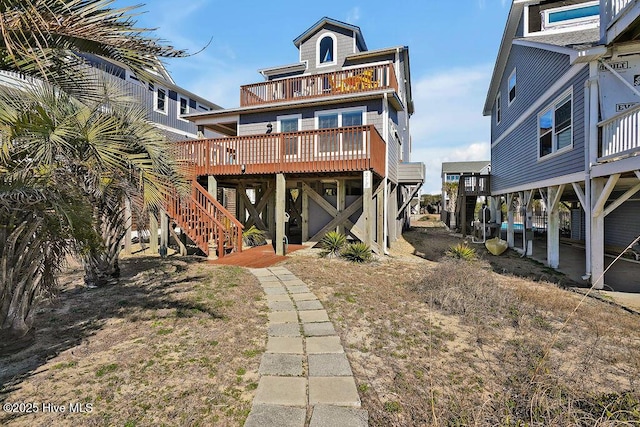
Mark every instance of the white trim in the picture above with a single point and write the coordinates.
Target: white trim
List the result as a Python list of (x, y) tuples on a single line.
[(570, 22), (542, 100), (335, 50), (279, 130), (156, 90), (515, 87), (552, 107), (526, 21), (178, 112), (559, 180)]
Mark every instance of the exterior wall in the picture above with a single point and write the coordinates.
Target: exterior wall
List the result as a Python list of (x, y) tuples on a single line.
[(393, 147), (345, 45), (623, 224), (515, 159), (256, 123)]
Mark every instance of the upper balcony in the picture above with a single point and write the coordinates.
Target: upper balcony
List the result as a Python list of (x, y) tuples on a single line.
[(353, 80), (339, 150), (620, 136), (617, 16)]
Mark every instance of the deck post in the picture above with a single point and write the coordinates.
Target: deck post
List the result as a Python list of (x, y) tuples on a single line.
[(380, 216), (153, 231), (212, 186), (127, 225), (305, 215), (281, 192), (553, 228), (341, 202), (510, 228), (367, 206), (597, 233), (164, 229)]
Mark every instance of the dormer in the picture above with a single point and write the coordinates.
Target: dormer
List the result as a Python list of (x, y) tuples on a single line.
[(327, 43), (554, 16)]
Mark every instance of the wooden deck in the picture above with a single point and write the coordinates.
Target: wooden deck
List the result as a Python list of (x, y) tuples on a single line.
[(256, 257), (355, 80), (345, 149)]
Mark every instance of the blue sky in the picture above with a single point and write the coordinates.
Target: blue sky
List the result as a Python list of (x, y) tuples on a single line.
[(452, 46)]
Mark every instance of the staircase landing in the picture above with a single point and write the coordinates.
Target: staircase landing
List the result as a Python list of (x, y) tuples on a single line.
[(256, 257)]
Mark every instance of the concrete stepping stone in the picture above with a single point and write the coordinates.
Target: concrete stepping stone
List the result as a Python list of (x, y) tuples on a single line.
[(313, 316), (332, 416), (292, 345), (288, 391), (281, 305), (309, 305), (329, 365), (266, 285), (328, 344), (284, 330), (275, 291), (304, 297), (339, 391), (281, 297), (276, 416), (283, 317), (318, 329), (298, 289), (277, 364)]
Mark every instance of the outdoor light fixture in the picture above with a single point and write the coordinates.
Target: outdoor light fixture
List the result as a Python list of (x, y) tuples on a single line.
[(243, 168)]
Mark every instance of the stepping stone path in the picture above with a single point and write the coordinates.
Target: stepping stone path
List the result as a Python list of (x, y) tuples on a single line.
[(306, 379)]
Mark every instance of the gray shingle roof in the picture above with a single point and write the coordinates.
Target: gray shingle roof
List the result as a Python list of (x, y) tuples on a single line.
[(460, 167), (573, 39)]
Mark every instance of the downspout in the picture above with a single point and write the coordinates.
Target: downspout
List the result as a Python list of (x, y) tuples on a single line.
[(385, 215)]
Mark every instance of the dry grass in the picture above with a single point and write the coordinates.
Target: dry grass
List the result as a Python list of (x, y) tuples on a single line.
[(454, 343), (176, 343)]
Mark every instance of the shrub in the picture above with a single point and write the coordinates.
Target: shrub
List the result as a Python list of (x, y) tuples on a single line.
[(357, 252), (254, 237), (462, 251), (332, 243)]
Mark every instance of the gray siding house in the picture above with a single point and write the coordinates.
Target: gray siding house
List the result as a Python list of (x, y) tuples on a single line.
[(320, 144), (565, 107)]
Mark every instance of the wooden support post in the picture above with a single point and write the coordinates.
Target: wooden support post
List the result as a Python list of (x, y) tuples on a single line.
[(127, 225), (281, 192), (164, 229), (212, 186), (380, 215), (367, 206), (528, 197), (510, 228), (597, 234), (270, 210), (553, 227), (341, 200), (305, 215), (153, 234), (463, 215)]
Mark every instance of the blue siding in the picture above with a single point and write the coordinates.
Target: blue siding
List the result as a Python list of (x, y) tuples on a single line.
[(622, 225), (514, 161)]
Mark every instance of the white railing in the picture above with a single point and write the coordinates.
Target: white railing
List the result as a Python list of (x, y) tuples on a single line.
[(620, 134), (612, 11)]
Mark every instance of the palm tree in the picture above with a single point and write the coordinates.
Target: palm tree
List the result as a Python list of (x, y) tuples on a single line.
[(70, 151)]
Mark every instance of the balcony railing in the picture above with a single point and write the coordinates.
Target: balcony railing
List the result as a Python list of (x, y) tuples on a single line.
[(346, 149), (319, 85), (612, 11), (474, 185), (620, 135)]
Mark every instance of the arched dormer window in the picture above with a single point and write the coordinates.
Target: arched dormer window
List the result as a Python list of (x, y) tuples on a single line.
[(326, 50)]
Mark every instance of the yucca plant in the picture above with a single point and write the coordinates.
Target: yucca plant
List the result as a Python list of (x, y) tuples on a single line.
[(332, 243), (462, 251), (357, 252), (254, 236)]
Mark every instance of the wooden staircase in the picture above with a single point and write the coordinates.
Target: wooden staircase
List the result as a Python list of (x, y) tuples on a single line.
[(207, 223)]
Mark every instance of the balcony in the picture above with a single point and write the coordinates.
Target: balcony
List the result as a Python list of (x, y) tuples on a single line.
[(474, 185), (620, 135), (346, 149), (616, 16), (356, 80)]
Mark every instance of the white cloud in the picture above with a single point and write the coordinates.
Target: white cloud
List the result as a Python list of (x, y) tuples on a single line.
[(448, 125), (353, 15)]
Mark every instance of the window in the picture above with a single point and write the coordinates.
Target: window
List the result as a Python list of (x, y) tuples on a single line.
[(346, 140), (160, 99), (326, 47), (498, 108), (512, 86), (289, 124), (452, 178), (555, 126), (184, 107), (576, 14)]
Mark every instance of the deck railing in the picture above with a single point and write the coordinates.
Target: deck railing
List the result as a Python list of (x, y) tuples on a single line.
[(612, 10), (474, 185), (320, 85), (345, 149), (620, 135)]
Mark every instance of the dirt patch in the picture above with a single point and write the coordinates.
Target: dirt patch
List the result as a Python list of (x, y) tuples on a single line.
[(435, 342), (176, 343)]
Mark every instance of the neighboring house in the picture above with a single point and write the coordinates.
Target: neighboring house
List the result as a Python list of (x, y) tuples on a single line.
[(321, 144), (565, 107), (451, 173)]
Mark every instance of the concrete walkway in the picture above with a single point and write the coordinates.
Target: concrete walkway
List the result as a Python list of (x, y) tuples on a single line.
[(306, 379)]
